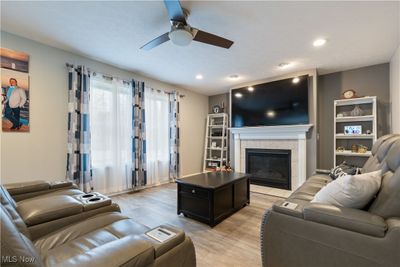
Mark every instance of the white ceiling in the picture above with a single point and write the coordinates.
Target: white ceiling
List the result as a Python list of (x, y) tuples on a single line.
[(265, 34)]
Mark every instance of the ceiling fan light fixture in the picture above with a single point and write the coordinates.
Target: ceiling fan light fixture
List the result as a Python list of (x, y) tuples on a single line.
[(181, 36)]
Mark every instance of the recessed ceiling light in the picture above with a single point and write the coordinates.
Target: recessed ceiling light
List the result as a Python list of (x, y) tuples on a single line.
[(319, 42), (199, 76), (296, 80), (250, 88), (284, 65), (234, 76), (238, 95), (271, 113)]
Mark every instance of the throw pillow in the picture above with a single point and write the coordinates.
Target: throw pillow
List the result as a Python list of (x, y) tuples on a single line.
[(351, 191), (343, 169)]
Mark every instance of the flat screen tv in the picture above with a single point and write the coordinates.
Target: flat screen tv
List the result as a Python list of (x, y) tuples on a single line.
[(283, 102)]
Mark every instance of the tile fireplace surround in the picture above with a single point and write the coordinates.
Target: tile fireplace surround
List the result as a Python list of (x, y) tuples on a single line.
[(291, 137)]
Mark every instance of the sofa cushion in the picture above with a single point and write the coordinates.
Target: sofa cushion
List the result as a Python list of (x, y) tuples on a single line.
[(127, 251), (44, 209), (320, 179), (387, 202), (81, 229), (9, 205), (393, 157), (27, 187), (379, 153), (351, 191), (15, 245), (346, 218), (6, 199), (80, 238)]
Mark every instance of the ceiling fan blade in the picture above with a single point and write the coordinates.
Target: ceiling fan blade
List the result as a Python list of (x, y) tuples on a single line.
[(211, 39), (156, 42), (175, 11)]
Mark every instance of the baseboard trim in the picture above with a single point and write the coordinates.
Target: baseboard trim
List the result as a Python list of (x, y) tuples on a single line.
[(266, 190)]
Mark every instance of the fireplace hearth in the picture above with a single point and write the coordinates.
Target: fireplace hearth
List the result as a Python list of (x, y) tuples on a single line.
[(269, 167)]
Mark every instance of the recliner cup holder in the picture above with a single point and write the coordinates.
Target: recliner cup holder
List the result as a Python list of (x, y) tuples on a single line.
[(88, 195), (94, 199)]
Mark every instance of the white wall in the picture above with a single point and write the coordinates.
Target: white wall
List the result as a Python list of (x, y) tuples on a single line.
[(41, 154), (395, 90)]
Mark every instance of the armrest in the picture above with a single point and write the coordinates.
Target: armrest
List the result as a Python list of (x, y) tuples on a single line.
[(27, 187), (346, 218), (393, 226), (62, 184), (125, 251), (162, 248), (297, 212)]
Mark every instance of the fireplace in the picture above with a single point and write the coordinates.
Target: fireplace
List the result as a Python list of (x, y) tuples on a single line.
[(269, 167)]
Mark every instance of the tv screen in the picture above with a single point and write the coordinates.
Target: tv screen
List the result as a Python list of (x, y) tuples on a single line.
[(283, 102)]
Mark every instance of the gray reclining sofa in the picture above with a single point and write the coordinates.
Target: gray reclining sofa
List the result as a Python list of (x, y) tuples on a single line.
[(55, 226), (323, 235)]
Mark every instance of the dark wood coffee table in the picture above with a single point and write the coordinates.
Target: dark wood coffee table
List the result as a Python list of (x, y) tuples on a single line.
[(211, 197)]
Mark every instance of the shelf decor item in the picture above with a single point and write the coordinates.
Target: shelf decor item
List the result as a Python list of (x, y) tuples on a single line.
[(340, 115), (216, 109), (353, 129), (349, 94), (354, 148), (357, 111), (362, 149), (340, 149)]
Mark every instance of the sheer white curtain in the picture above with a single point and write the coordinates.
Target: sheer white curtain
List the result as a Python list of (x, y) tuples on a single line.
[(111, 133), (157, 150)]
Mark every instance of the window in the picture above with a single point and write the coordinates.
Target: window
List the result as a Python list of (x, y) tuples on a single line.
[(111, 130), (157, 139), (111, 134)]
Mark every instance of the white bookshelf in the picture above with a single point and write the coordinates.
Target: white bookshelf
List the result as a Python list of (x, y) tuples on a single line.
[(353, 154), (216, 132), (368, 120), (356, 118)]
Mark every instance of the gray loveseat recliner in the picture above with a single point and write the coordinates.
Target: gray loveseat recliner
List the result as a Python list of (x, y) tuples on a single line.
[(322, 235), (74, 236)]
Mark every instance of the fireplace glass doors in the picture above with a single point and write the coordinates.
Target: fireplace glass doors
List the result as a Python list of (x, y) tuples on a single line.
[(269, 167)]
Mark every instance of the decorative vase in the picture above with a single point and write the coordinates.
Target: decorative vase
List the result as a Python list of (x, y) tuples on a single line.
[(357, 111), (354, 148)]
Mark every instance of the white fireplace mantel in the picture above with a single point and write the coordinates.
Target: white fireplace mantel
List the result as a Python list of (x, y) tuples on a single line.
[(272, 132), (274, 137)]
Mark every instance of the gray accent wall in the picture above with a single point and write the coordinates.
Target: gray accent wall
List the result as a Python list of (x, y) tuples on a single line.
[(366, 81), (220, 100)]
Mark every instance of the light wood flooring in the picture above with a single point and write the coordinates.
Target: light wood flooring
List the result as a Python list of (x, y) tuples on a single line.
[(234, 242)]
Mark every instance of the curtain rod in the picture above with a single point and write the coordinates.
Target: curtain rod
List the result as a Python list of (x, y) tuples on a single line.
[(69, 65), (167, 92)]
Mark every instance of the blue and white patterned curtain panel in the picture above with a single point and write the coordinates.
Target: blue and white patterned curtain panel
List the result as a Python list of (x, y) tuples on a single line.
[(174, 136), (139, 173), (78, 156)]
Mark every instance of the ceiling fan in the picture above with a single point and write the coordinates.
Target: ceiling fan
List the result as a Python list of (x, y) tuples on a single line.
[(182, 33)]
